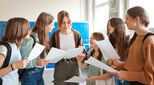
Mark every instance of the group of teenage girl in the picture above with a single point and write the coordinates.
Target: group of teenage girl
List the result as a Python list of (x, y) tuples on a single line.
[(136, 66)]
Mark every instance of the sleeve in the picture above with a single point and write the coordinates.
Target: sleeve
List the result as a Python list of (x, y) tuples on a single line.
[(3, 50), (25, 50), (147, 75)]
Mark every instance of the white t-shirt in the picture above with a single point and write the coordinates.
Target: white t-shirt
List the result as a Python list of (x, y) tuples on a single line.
[(67, 41), (12, 77)]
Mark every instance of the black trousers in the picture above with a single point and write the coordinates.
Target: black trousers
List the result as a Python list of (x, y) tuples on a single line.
[(135, 83)]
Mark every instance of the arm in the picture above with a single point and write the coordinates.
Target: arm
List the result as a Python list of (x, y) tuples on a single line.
[(81, 64), (17, 65), (147, 75), (100, 77)]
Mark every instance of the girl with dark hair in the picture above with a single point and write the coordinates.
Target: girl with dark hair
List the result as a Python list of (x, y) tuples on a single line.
[(95, 73), (16, 31), (116, 32), (33, 75), (117, 35), (138, 68)]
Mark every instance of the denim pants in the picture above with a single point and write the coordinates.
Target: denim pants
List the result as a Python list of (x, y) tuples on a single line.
[(121, 82), (33, 76)]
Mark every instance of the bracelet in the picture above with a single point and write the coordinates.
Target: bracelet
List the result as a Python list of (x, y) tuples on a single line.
[(12, 67)]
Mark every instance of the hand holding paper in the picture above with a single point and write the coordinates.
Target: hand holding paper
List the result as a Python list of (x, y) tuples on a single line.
[(55, 54), (99, 64), (36, 51)]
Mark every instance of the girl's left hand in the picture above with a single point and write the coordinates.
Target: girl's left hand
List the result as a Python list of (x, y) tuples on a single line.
[(91, 79), (80, 57), (117, 73)]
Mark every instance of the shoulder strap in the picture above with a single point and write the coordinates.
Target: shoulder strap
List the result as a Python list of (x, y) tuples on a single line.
[(33, 39), (78, 40), (9, 50), (53, 40), (148, 34)]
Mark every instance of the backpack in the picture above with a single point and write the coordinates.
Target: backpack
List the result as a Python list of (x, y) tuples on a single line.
[(147, 35), (21, 71), (7, 59)]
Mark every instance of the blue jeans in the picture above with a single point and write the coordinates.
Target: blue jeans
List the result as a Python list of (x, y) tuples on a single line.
[(122, 82), (33, 76)]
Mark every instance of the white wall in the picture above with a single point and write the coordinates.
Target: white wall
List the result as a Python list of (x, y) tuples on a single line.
[(30, 9)]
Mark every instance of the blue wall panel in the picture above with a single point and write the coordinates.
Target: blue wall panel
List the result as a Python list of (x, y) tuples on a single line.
[(81, 27)]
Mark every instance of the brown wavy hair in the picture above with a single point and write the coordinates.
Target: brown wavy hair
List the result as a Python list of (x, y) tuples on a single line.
[(43, 20), (16, 30), (98, 36), (118, 38)]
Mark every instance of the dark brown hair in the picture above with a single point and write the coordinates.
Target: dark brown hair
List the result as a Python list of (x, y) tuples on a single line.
[(141, 13), (98, 36), (16, 30), (43, 20), (61, 15), (118, 38)]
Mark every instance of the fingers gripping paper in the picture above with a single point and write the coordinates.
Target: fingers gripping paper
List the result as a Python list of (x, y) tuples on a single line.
[(55, 54)]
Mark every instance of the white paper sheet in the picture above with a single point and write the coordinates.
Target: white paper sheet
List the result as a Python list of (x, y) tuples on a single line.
[(99, 64), (107, 49), (73, 52), (36, 51), (55, 54), (75, 79)]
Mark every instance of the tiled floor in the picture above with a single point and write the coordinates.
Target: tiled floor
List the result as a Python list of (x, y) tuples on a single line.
[(48, 76)]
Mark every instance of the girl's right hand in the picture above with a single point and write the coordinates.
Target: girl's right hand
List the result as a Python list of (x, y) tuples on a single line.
[(20, 64), (42, 62), (110, 61)]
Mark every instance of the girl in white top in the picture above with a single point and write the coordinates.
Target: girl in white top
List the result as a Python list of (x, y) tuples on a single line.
[(16, 30)]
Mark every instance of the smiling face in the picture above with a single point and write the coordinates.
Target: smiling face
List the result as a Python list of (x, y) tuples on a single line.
[(92, 42)]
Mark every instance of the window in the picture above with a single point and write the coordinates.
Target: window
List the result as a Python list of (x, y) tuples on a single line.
[(148, 5), (101, 15)]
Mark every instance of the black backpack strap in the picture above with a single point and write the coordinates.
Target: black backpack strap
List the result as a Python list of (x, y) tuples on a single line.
[(53, 40), (148, 34), (78, 40), (7, 57), (9, 50), (33, 39)]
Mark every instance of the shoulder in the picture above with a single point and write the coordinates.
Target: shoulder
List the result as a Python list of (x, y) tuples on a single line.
[(28, 43), (149, 40), (3, 50), (75, 31)]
